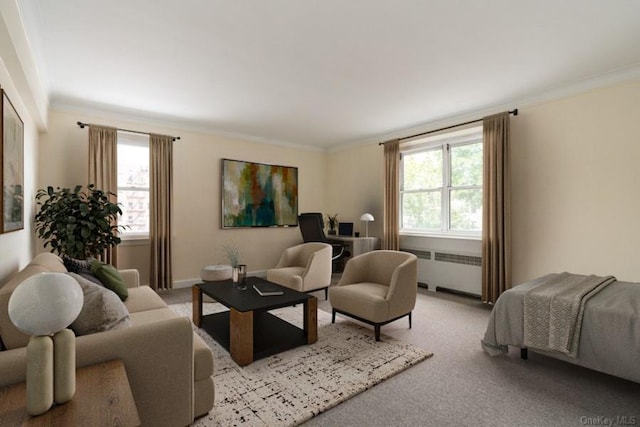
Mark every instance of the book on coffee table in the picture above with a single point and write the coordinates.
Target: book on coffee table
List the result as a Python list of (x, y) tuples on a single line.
[(267, 289)]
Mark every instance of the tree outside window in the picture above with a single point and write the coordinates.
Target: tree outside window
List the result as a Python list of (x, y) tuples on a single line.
[(441, 188)]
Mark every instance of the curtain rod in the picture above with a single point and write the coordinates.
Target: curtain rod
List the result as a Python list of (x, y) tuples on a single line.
[(82, 125), (514, 112)]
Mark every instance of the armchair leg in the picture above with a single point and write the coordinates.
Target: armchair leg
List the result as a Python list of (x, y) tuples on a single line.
[(326, 294), (410, 320), (333, 316), (377, 332)]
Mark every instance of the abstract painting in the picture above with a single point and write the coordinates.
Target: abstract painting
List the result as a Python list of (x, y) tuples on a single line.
[(258, 195), (12, 167)]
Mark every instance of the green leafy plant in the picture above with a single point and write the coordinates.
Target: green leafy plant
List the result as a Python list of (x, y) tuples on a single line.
[(332, 221), (77, 223), (232, 253)]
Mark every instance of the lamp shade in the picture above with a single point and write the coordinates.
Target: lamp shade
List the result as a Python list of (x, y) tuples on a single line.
[(366, 217), (45, 303)]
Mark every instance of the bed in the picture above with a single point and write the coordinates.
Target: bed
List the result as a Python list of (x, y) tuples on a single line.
[(609, 339)]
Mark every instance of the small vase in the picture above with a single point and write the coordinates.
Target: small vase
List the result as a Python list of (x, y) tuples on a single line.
[(234, 276), (242, 277)]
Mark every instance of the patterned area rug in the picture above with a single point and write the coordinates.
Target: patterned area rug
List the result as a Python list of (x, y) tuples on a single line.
[(291, 387)]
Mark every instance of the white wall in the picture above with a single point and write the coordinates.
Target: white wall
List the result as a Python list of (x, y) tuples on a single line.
[(16, 78), (575, 191), (16, 247), (198, 235), (355, 183), (575, 185)]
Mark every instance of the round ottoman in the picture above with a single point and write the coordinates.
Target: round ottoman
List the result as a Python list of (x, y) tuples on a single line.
[(213, 273)]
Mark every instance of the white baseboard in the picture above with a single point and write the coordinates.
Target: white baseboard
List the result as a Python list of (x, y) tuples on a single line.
[(187, 283)]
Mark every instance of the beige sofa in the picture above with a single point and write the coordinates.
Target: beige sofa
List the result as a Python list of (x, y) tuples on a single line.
[(169, 367)]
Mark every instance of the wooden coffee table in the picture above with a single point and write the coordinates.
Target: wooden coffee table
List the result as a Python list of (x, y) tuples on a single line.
[(247, 330)]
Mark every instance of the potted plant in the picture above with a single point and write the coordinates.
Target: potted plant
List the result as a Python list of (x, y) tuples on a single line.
[(332, 222), (76, 223)]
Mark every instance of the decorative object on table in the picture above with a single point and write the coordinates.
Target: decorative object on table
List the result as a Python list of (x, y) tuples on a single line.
[(345, 229), (366, 217), (214, 273), (267, 289), (242, 277), (332, 222), (43, 306), (12, 196), (258, 195), (77, 223), (232, 253)]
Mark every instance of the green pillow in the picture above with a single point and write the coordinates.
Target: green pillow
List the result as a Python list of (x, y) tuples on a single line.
[(110, 278)]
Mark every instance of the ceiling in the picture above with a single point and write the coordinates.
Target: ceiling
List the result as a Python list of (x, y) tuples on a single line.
[(323, 73)]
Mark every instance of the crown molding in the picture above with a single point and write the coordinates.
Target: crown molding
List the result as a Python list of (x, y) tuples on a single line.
[(602, 81), (157, 120), (164, 122)]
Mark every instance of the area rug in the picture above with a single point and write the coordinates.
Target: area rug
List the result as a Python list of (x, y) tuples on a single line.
[(291, 387)]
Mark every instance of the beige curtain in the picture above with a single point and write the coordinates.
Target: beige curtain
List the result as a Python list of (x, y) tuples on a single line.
[(103, 170), (391, 226), (496, 216), (160, 210)]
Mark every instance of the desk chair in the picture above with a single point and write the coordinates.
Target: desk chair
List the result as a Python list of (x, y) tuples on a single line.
[(312, 230)]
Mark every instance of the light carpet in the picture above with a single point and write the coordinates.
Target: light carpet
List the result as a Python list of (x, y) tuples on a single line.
[(291, 387)]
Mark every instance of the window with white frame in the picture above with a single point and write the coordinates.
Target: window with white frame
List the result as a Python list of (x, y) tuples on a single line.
[(133, 184), (441, 185)]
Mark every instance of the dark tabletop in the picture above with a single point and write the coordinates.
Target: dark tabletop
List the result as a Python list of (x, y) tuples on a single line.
[(248, 300)]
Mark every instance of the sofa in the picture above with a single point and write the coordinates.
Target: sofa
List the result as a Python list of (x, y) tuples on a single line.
[(169, 367)]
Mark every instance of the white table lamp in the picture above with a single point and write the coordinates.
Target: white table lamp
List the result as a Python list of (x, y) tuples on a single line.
[(366, 217), (43, 306)]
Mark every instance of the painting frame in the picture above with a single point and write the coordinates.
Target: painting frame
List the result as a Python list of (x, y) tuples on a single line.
[(11, 166), (258, 194)]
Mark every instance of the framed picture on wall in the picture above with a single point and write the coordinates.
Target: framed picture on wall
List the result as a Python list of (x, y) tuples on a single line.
[(12, 197), (258, 195)]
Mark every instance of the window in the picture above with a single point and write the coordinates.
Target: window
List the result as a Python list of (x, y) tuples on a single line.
[(133, 184), (441, 185)]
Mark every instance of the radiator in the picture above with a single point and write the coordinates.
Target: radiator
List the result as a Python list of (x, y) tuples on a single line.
[(447, 271)]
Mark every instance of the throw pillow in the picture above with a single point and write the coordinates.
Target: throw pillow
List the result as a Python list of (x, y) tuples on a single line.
[(74, 265), (110, 278), (102, 309), (91, 277)]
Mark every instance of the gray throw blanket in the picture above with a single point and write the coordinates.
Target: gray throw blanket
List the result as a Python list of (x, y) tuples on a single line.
[(553, 311)]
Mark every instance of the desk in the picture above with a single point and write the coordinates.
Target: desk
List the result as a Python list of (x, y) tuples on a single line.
[(356, 245), (103, 398)]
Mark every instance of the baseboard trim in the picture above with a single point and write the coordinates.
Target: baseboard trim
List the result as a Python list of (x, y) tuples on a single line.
[(187, 283), (457, 292)]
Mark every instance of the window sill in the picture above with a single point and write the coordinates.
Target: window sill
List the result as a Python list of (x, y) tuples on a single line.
[(437, 235), (135, 240)]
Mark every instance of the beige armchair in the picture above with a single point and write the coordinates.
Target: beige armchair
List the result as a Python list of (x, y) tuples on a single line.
[(377, 288), (305, 268)]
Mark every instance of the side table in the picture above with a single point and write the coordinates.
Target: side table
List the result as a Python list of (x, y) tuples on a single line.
[(103, 398)]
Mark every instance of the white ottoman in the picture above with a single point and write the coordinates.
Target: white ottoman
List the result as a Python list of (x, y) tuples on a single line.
[(214, 273)]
